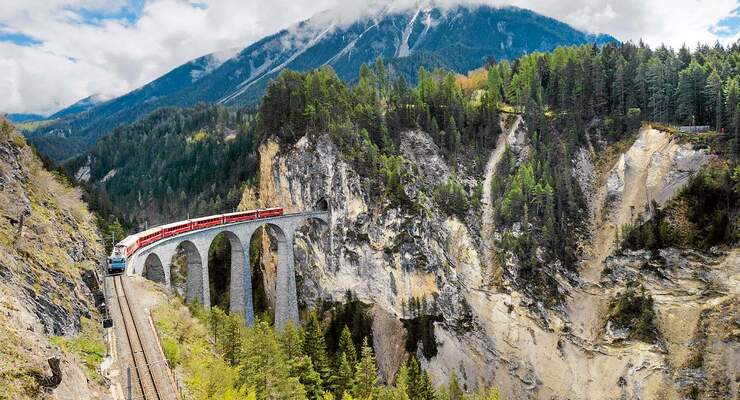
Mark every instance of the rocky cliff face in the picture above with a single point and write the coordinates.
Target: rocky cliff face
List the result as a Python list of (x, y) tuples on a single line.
[(48, 248), (389, 254)]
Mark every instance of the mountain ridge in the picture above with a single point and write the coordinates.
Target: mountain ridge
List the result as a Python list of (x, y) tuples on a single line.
[(460, 38)]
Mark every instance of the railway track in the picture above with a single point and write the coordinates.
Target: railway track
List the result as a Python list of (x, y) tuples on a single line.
[(143, 379)]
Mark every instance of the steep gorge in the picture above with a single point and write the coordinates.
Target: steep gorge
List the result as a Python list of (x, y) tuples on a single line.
[(387, 254)]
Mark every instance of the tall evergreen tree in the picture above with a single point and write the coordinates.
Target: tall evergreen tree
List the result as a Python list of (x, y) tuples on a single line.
[(366, 374), (419, 383), (314, 346), (344, 379), (264, 368), (347, 347), (714, 99)]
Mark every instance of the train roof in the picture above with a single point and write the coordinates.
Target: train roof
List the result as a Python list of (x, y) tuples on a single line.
[(206, 218), (174, 224), (150, 231), (129, 240), (239, 213), (271, 208)]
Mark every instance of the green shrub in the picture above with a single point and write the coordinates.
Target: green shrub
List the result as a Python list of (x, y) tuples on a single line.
[(451, 197), (632, 309), (172, 352)]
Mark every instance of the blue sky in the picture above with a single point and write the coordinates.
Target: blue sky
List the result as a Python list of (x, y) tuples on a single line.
[(128, 12), (728, 26), (55, 52)]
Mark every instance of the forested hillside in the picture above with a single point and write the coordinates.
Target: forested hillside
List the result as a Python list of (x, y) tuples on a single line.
[(458, 38), (571, 98), (171, 164)]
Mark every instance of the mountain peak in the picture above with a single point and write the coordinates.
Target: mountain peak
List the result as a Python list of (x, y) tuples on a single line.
[(455, 35)]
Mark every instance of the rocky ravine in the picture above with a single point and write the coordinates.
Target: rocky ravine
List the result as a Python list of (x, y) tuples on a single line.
[(387, 255), (48, 247)]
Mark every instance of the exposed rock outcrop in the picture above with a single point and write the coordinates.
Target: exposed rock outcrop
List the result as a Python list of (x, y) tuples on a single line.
[(387, 255), (43, 293)]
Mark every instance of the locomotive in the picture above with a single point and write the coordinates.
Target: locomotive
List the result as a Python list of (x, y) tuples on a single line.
[(126, 247)]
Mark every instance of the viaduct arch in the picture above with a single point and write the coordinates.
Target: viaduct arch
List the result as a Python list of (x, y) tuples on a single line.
[(195, 245)]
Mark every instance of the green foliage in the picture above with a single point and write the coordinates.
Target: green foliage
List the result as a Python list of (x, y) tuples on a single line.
[(344, 380), (366, 374), (172, 352), (113, 233), (419, 384), (704, 214), (352, 314), (633, 309), (157, 161), (314, 346), (347, 346), (264, 367), (187, 346), (451, 197)]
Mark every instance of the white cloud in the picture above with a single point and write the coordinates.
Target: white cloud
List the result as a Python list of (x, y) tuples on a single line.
[(111, 57)]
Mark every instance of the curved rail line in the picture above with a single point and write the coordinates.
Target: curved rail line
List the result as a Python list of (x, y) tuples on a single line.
[(142, 368)]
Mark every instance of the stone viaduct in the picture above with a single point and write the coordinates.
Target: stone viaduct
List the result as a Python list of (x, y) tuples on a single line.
[(148, 261)]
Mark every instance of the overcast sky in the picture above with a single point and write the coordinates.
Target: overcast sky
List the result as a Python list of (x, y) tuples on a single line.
[(55, 52)]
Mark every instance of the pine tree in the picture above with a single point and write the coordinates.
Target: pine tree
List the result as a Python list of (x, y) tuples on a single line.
[(366, 373), (344, 378), (347, 347), (302, 368), (714, 99), (264, 368), (732, 100), (314, 346), (419, 383), (453, 388), (231, 338), (401, 384), (291, 342)]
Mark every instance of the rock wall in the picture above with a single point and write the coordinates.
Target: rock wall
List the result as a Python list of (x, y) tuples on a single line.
[(387, 255), (48, 247)]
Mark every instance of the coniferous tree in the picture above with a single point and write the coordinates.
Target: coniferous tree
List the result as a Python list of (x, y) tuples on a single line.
[(302, 367), (419, 383), (714, 99), (291, 342), (453, 388), (366, 373), (264, 368), (314, 346), (344, 379), (347, 346), (732, 100)]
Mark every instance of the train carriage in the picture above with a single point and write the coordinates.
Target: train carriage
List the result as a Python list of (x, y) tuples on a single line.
[(150, 236), (270, 212), (176, 228), (240, 216), (207, 222)]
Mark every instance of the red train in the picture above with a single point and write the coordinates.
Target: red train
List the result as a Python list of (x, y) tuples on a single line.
[(126, 247)]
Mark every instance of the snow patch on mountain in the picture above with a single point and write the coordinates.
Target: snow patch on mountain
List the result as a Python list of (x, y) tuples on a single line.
[(403, 49)]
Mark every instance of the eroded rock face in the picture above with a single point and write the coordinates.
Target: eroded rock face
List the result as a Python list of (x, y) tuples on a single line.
[(48, 247), (387, 255)]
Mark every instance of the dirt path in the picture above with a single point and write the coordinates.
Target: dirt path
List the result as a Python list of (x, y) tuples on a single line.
[(487, 225)]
